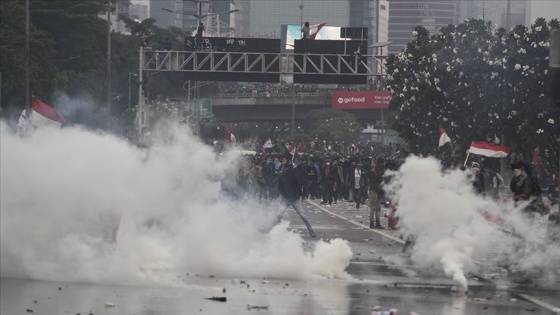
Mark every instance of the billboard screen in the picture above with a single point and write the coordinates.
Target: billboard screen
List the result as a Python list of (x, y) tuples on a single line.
[(361, 99), (291, 32)]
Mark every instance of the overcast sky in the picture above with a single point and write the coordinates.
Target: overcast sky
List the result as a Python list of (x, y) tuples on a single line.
[(548, 9)]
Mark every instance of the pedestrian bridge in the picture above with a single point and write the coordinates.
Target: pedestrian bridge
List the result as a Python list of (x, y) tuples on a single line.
[(276, 106)]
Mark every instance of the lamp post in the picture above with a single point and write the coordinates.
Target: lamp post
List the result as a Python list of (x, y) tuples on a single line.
[(382, 73), (130, 75)]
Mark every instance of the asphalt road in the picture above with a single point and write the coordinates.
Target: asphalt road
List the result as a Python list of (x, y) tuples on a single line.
[(376, 285)]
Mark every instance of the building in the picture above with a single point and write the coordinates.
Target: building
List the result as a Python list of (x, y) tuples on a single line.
[(496, 11), (405, 15), (121, 8), (138, 11)]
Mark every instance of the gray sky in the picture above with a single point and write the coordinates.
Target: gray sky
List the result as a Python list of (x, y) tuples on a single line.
[(548, 9)]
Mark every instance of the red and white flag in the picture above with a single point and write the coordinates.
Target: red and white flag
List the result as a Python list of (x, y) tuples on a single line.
[(42, 115), (443, 137), (267, 144), (45, 115), (314, 30), (488, 149), (231, 137)]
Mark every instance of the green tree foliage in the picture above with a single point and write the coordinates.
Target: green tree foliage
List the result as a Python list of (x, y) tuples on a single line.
[(478, 84), (333, 125), (12, 56)]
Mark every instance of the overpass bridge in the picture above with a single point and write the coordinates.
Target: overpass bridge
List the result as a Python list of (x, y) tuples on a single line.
[(239, 107)]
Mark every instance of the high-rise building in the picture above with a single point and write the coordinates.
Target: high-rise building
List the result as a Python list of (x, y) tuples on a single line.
[(138, 11), (267, 16), (120, 8), (496, 11), (405, 15)]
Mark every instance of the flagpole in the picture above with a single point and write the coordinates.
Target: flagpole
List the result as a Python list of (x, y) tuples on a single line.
[(467, 158)]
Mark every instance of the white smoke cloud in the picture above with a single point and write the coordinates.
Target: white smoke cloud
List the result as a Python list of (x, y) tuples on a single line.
[(87, 207), (448, 221)]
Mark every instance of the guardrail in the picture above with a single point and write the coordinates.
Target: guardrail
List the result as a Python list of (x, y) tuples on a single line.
[(270, 95)]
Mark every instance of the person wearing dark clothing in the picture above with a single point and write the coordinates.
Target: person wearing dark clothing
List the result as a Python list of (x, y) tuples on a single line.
[(477, 178), (525, 187), (198, 37), (269, 174), (329, 185), (289, 189), (358, 180), (338, 179), (375, 192), (306, 37)]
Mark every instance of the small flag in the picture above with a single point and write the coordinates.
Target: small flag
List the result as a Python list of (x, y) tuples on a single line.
[(314, 30), (267, 144), (488, 149), (443, 137), (231, 137)]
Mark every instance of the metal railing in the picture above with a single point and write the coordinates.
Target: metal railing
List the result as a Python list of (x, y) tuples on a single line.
[(237, 62)]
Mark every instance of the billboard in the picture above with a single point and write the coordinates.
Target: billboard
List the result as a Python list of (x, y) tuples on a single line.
[(219, 45), (291, 32), (360, 99)]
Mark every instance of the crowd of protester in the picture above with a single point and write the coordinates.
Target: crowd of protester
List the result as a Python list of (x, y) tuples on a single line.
[(331, 172), (272, 89)]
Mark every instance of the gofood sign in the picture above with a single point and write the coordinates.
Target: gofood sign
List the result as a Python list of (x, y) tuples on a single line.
[(360, 99)]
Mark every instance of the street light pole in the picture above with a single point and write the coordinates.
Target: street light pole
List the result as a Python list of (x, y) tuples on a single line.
[(28, 105), (383, 75), (109, 57)]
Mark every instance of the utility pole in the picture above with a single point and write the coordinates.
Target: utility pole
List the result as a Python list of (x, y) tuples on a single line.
[(109, 57), (27, 64), (508, 16)]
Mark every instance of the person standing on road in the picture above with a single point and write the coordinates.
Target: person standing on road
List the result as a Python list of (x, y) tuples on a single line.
[(375, 191), (358, 181), (289, 188)]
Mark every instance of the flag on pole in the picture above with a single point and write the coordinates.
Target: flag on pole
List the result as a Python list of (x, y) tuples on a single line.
[(231, 137), (314, 30), (443, 137), (45, 115), (488, 149), (267, 144)]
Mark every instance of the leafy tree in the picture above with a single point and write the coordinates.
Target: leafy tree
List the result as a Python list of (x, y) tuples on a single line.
[(333, 125), (12, 56), (478, 84)]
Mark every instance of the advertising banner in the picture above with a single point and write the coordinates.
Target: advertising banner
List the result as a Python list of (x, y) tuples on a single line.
[(361, 99)]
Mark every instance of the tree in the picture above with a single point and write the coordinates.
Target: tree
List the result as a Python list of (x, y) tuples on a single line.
[(333, 125), (478, 84)]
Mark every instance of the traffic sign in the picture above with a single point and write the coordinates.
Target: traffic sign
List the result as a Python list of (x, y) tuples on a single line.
[(205, 107)]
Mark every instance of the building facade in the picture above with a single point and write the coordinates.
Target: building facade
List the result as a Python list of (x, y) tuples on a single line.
[(496, 11), (405, 15)]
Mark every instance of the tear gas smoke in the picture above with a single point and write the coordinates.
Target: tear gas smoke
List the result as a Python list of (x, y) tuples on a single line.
[(453, 228), (81, 206)]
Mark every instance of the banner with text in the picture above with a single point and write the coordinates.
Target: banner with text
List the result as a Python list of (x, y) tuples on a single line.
[(361, 99)]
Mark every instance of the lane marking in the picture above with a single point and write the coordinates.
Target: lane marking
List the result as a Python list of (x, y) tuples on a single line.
[(540, 303), (380, 232)]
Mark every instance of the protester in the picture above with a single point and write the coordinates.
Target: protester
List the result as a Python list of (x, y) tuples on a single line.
[(525, 188), (375, 191), (289, 188)]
